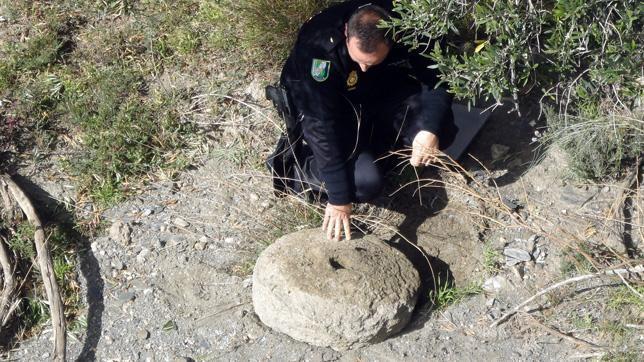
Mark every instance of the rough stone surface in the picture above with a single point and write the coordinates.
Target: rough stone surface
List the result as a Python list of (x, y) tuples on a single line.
[(121, 232), (336, 294)]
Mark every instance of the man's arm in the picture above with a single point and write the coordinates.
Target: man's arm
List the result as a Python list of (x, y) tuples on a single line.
[(317, 96), (426, 131)]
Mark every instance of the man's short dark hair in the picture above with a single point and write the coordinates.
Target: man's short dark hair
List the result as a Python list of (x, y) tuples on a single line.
[(363, 25)]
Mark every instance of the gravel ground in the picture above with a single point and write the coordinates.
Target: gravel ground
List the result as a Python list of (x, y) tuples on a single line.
[(175, 283)]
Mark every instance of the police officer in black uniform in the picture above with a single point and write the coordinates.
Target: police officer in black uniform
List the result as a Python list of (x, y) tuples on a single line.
[(352, 96)]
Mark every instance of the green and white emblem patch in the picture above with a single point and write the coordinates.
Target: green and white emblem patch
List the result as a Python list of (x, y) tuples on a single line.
[(320, 69)]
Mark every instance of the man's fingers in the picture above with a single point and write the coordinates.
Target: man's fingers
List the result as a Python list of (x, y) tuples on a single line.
[(415, 158), (325, 223), (338, 229), (329, 229), (347, 228)]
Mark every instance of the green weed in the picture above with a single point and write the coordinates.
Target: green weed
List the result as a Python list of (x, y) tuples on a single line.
[(631, 356), (445, 294), (126, 134), (492, 259), (623, 297), (574, 263), (34, 312), (582, 321), (22, 242)]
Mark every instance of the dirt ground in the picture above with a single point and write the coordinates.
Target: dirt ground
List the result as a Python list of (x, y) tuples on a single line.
[(180, 290)]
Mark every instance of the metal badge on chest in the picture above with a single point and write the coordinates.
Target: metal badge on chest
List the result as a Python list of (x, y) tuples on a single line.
[(352, 80)]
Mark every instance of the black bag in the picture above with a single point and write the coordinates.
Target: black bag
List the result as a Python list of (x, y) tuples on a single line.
[(291, 162), (282, 162)]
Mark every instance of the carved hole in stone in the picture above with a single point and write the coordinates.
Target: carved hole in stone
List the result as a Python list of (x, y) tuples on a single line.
[(335, 264), (360, 249)]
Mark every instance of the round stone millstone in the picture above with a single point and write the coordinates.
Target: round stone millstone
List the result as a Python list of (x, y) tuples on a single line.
[(334, 294)]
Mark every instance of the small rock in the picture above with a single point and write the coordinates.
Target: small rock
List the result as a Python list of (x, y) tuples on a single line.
[(495, 284), (108, 340), (174, 241), (147, 212), (512, 204), (200, 246), (181, 222), (126, 296), (204, 239), (229, 240), (519, 271), (141, 256), (147, 357), (118, 265), (605, 189), (121, 232), (247, 283), (181, 359), (143, 334), (148, 291), (159, 244), (517, 254), (539, 255), (253, 197), (498, 151)]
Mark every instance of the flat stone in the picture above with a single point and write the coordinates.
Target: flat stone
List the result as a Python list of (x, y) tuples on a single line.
[(517, 254), (126, 296), (334, 294), (181, 222), (143, 334), (121, 232)]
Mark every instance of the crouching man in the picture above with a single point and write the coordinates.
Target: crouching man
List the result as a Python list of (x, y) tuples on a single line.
[(349, 96)]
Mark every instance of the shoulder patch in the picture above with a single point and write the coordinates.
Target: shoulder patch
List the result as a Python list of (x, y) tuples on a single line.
[(320, 69)]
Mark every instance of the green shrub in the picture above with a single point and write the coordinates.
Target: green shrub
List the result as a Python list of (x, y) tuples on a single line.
[(125, 132), (583, 57), (268, 29)]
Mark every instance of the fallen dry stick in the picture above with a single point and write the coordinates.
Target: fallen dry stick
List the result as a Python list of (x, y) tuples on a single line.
[(503, 318), (46, 267), (8, 285), (551, 330)]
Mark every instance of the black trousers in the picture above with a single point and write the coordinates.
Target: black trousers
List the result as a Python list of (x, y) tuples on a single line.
[(390, 125)]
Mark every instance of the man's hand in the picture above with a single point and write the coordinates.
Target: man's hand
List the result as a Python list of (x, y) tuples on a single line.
[(424, 149), (337, 217)]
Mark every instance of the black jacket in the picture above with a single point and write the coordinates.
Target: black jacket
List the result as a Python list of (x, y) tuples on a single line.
[(329, 103)]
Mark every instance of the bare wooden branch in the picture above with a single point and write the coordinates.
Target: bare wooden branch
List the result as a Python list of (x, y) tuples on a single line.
[(6, 201), (46, 267), (8, 285), (635, 270)]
